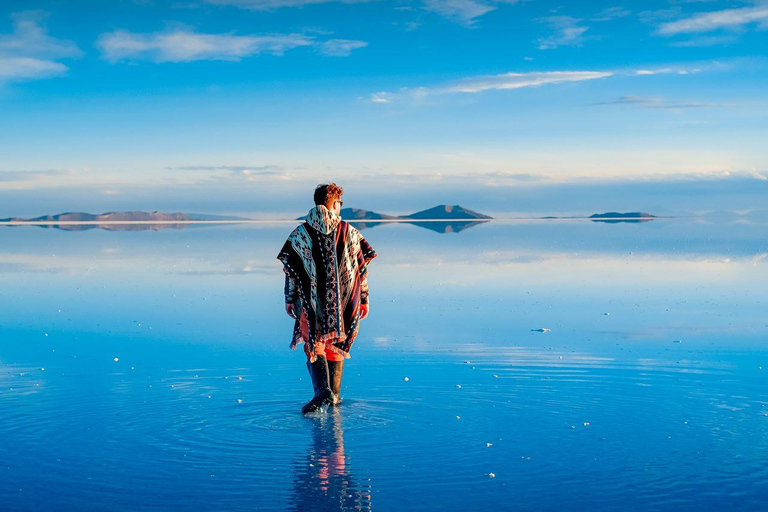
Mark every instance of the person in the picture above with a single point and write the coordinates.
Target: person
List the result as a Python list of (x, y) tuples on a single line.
[(325, 261)]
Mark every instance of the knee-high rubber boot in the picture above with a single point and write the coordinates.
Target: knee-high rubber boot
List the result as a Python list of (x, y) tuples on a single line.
[(318, 371), (335, 371)]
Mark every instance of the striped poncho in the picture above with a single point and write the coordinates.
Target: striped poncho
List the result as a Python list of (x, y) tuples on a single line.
[(326, 262)]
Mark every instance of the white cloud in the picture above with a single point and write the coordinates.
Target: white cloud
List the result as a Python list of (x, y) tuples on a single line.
[(184, 45), (567, 32), (269, 5), (715, 20), (611, 14), (239, 172), (27, 68), (30, 39), (666, 71), (382, 97), (29, 53), (462, 11), (340, 47)]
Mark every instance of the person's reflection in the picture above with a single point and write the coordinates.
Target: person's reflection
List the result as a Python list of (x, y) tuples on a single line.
[(323, 478)]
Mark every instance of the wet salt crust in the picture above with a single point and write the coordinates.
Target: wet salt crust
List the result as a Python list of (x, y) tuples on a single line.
[(150, 370)]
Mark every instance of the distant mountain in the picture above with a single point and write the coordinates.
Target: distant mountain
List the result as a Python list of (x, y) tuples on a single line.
[(616, 217), (449, 218), (447, 212), (358, 214), (112, 217), (174, 220)]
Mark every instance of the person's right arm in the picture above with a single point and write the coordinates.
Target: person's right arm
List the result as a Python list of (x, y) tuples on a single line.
[(291, 296)]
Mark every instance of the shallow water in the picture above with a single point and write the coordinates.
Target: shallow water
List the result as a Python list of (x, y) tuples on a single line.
[(649, 392)]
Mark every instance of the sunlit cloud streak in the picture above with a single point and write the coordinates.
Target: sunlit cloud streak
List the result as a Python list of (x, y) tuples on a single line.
[(510, 81), (716, 20)]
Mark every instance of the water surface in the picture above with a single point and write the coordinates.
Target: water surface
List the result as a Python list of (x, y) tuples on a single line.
[(150, 370)]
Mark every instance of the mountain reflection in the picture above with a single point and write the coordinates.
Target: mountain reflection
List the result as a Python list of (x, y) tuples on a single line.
[(448, 226), (323, 478)]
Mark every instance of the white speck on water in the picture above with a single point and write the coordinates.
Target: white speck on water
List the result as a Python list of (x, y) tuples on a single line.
[(42, 369), (541, 329), (677, 341), (46, 335), (607, 314), (458, 417), (573, 426), (406, 379), (559, 357), (132, 368), (488, 445), (586, 423), (467, 362), (239, 400), (492, 475), (495, 376), (116, 359), (239, 378), (458, 386)]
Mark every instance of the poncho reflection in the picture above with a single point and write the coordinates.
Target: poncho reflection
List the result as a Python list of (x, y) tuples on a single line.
[(328, 260)]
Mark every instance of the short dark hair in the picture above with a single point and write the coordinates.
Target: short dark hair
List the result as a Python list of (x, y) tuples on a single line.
[(327, 193)]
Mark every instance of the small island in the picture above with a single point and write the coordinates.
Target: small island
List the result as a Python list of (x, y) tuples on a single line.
[(616, 217)]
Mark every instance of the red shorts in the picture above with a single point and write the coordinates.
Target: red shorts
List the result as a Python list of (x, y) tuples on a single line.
[(320, 348)]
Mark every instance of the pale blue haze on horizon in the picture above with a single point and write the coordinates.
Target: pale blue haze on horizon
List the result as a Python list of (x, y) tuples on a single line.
[(241, 106)]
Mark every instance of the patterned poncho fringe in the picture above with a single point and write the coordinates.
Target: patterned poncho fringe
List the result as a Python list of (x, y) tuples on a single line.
[(328, 261)]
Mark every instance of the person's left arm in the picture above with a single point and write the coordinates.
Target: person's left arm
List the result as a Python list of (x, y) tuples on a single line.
[(364, 307)]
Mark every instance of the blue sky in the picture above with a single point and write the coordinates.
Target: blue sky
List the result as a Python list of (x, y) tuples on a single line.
[(242, 106)]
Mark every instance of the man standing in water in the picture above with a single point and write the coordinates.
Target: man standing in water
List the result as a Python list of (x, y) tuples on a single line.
[(326, 291)]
